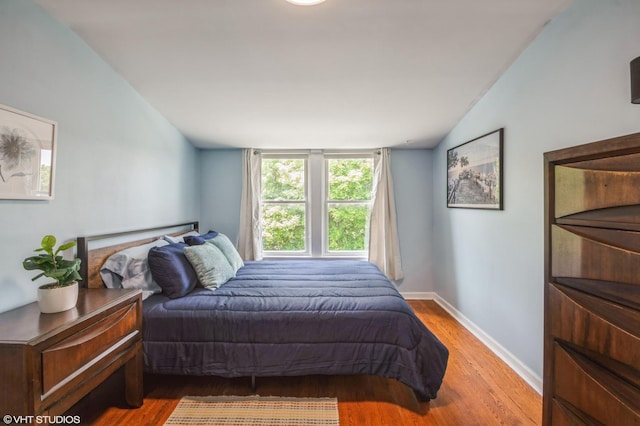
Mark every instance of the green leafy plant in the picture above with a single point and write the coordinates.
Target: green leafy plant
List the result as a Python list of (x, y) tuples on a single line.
[(64, 272)]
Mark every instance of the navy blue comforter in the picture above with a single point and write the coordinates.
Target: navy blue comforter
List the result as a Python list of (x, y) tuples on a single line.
[(290, 318)]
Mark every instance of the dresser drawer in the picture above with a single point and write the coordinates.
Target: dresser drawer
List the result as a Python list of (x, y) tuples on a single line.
[(595, 253), (598, 188), (585, 390), (598, 326), (565, 415), (63, 361)]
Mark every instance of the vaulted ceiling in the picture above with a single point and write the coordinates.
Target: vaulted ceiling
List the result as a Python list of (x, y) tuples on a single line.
[(341, 74)]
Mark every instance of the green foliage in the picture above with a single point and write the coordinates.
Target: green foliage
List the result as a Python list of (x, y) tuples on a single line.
[(283, 227), (53, 265), (348, 225), (283, 179), (350, 179)]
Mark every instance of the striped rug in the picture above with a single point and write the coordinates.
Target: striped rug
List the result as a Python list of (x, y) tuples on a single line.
[(254, 410)]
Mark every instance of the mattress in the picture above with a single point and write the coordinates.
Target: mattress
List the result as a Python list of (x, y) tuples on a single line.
[(298, 317)]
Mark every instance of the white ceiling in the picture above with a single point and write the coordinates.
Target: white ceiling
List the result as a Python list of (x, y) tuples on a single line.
[(341, 74)]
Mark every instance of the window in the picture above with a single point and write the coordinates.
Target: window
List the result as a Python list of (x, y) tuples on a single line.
[(348, 203), (316, 204), (284, 205)]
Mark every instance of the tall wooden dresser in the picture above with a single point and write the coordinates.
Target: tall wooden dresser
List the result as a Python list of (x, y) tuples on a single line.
[(592, 287)]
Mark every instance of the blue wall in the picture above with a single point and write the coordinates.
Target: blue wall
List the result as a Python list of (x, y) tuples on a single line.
[(413, 189), (221, 171), (570, 86), (120, 164)]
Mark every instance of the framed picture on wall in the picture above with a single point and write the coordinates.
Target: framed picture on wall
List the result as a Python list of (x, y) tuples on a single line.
[(474, 173), (27, 155)]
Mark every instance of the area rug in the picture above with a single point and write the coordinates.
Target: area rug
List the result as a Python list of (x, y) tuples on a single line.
[(254, 410)]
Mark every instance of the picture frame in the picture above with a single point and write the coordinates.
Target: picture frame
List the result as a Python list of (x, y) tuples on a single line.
[(475, 173), (27, 155)]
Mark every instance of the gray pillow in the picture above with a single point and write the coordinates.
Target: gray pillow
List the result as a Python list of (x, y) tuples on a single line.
[(129, 268), (211, 266), (229, 250)]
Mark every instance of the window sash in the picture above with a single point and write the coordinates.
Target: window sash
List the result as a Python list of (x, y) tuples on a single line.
[(327, 173), (317, 203), (304, 202), (289, 245), (363, 231), (327, 251)]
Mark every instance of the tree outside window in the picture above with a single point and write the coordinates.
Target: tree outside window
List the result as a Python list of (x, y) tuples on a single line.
[(349, 187), (284, 204), (345, 205)]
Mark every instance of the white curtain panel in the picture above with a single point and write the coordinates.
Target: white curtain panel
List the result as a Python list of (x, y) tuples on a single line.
[(384, 243), (250, 233)]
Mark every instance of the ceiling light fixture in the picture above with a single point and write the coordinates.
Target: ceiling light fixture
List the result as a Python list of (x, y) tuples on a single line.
[(305, 2)]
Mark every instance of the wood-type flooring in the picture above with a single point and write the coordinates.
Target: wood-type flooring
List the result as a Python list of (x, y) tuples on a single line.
[(478, 389)]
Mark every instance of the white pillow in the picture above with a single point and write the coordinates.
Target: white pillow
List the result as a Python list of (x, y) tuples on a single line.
[(129, 268)]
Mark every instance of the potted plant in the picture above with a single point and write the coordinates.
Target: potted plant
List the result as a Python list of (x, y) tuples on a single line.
[(62, 294)]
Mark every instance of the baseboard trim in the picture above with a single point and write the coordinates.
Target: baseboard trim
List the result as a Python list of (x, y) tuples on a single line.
[(419, 295), (501, 352)]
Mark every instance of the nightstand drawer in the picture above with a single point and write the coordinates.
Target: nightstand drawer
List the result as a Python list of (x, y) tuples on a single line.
[(77, 352)]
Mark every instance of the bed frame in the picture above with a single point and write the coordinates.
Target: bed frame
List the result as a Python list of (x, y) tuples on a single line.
[(105, 245), (93, 259)]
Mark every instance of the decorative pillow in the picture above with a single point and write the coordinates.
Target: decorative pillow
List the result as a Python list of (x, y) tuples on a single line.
[(196, 240), (179, 238), (209, 235), (210, 265), (226, 246), (132, 268), (171, 270)]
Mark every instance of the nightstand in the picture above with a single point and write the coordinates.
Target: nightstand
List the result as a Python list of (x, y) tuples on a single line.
[(50, 361)]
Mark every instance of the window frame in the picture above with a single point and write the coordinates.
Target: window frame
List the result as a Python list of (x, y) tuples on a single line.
[(326, 202), (307, 237), (317, 202)]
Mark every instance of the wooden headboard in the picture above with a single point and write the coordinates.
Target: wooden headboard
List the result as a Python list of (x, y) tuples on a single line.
[(93, 259)]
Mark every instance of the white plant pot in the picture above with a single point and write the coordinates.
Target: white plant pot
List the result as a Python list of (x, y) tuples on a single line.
[(52, 300)]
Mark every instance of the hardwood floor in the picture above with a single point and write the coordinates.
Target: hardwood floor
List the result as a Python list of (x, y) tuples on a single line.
[(478, 389)]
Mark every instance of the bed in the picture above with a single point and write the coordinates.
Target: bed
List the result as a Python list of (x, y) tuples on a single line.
[(286, 318)]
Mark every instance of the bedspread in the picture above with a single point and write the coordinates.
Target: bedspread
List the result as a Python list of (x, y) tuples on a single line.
[(298, 317)]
